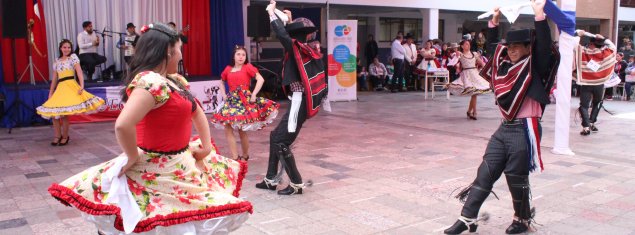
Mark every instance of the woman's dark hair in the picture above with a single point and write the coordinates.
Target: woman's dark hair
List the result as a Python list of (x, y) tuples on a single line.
[(236, 49), (64, 41), (151, 51)]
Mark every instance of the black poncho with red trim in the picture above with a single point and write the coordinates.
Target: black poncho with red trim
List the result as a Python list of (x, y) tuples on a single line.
[(311, 70), (511, 82)]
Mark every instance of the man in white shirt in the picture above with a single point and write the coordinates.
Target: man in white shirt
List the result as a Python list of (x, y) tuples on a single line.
[(411, 59), (398, 54), (88, 41)]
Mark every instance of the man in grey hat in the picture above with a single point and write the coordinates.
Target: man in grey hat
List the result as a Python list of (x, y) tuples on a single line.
[(130, 41), (521, 73)]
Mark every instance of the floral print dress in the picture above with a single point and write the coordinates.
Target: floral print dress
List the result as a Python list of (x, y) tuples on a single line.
[(172, 191), (237, 111)]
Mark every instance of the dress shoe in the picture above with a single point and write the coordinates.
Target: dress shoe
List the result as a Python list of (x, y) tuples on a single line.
[(56, 141), (517, 227), (267, 184), (292, 189), (461, 225), (65, 142)]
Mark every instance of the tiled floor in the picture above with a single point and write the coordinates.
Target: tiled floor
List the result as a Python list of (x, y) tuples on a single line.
[(387, 164)]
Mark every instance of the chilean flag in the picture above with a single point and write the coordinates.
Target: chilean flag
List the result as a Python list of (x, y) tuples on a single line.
[(564, 18), (36, 9)]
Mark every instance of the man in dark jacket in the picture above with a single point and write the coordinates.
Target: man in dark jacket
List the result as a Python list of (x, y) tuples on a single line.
[(521, 72), (303, 75), (371, 50)]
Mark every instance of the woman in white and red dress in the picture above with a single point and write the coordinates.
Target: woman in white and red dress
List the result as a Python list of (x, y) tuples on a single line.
[(243, 110), (470, 83), (163, 183)]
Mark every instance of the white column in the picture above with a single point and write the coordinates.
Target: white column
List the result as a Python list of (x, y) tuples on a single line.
[(430, 23), (567, 44), (247, 38)]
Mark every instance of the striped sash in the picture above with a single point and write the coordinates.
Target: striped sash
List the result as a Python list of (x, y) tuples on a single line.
[(532, 134)]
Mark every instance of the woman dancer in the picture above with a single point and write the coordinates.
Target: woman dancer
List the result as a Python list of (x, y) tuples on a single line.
[(243, 110), (170, 185), (66, 97), (469, 82)]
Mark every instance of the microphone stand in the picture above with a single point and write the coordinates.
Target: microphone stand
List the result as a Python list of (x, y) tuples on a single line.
[(104, 35), (121, 43)]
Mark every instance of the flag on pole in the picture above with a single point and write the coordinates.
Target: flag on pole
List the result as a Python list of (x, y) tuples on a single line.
[(36, 9), (564, 18)]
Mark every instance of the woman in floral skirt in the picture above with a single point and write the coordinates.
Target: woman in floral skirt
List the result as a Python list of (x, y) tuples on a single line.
[(163, 183), (243, 110)]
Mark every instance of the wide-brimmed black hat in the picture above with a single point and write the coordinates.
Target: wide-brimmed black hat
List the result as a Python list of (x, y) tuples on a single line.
[(300, 26), (518, 36)]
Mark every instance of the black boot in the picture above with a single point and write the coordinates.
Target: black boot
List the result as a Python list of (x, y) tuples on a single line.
[(520, 191), (461, 225), (272, 178), (474, 195), (288, 162)]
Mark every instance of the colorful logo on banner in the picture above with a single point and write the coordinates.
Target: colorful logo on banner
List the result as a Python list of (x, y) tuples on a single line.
[(343, 65), (342, 59), (342, 30)]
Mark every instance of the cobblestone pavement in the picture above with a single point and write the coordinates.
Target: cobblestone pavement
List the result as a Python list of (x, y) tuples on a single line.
[(387, 164)]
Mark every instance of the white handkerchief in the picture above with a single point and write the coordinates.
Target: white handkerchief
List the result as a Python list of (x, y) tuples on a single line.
[(119, 193), (510, 12), (283, 17)]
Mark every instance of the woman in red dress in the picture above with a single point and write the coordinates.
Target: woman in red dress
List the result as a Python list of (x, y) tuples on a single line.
[(243, 110), (163, 183)]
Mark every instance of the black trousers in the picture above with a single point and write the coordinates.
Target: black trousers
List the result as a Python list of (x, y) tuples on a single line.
[(397, 78), (506, 153), (408, 76), (90, 60), (377, 81), (590, 95), (281, 138)]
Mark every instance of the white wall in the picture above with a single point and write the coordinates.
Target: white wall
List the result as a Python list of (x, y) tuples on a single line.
[(626, 14)]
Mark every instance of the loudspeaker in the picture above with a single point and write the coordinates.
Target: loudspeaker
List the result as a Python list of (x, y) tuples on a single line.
[(14, 18), (258, 21)]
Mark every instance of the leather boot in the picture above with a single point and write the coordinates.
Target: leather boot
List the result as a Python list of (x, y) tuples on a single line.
[(520, 191), (288, 162), (477, 193), (462, 224)]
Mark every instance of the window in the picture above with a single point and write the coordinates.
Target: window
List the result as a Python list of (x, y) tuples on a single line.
[(389, 27), (627, 3)]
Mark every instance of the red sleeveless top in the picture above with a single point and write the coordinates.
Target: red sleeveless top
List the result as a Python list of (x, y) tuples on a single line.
[(166, 129)]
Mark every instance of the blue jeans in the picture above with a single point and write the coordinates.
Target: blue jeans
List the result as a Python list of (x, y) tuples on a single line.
[(628, 86), (363, 85)]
